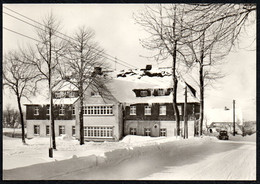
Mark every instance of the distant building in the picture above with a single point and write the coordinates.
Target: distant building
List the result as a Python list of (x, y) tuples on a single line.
[(218, 119)]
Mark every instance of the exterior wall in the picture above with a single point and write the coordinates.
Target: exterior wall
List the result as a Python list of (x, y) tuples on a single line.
[(43, 112), (114, 120), (42, 123), (155, 112), (156, 126)]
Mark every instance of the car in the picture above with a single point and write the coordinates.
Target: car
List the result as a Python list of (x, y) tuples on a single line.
[(223, 135)]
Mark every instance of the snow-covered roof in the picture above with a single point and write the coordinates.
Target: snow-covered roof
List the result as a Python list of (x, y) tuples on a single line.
[(125, 82), (65, 86), (40, 100)]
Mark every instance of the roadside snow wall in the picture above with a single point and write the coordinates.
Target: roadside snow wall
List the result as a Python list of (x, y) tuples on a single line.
[(57, 168)]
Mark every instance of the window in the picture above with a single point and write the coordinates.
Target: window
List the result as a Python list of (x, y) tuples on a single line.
[(61, 130), (73, 110), (132, 110), (98, 110), (143, 93), (62, 110), (94, 94), (73, 130), (36, 111), (47, 129), (72, 94), (147, 110), (57, 94), (132, 131), (179, 108), (48, 110), (36, 129), (163, 132), (162, 110), (160, 92), (147, 131), (98, 131)]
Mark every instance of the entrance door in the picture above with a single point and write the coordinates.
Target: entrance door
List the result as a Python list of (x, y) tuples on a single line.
[(155, 130)]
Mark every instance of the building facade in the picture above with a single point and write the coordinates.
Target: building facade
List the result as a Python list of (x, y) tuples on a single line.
[(136, 103)]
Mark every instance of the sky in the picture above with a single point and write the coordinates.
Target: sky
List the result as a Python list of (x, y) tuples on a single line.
[(116, 32)]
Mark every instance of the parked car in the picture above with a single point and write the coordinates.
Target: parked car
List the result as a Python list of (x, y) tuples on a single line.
[(223, 135)]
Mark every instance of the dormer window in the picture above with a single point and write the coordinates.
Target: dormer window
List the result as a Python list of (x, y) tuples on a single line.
[(161, 92), (143, 93), (57, 94), (95, 94), (72, 94)]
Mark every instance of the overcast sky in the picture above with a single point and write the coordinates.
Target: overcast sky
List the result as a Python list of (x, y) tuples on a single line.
[(118, 34)]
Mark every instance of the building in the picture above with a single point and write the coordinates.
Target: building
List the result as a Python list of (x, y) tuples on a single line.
[(137, 102), (147, 97), (222, 119), (38, 113)]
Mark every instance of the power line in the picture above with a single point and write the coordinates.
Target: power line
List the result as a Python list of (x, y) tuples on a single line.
[(60, 33), (21, 34)]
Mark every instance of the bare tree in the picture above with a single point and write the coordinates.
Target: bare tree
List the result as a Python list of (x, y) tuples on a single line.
[(18, 77), (215, 28), (46, 57), (82, 68), (164, 24)]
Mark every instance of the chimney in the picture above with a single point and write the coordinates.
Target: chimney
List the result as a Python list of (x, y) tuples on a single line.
[(148, 67), (98, 70)]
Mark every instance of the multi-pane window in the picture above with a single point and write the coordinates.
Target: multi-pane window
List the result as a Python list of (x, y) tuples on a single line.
[(47, 129), (98, 110), (161, 92), (73, 110), (61, 130), (147, 110), (73, 130), (180, 109), (133, 131), (132, 110), (61, 110), (162, 110), (163, 132), (98, 131), (147, 131), (36, 129), (143, 93), (36, 111), (48, 110)]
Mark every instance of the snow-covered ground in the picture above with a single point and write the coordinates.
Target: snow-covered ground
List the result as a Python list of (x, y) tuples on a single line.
[(135, 157)]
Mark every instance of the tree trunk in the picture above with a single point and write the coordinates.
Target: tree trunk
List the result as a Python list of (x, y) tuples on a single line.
[(81, 122), (201, 99), (52, 124), (175, 84), (21, 117)]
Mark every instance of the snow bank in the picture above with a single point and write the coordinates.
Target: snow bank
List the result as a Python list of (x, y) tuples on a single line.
[(130, 147)]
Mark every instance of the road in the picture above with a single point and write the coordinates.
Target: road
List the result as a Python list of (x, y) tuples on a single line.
[(220, 160)]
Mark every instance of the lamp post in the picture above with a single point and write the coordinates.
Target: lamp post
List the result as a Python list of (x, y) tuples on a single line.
[(234, 120)]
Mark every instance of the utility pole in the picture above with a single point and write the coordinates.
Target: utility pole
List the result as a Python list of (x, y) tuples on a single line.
[(185, 116), (234, 120)]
